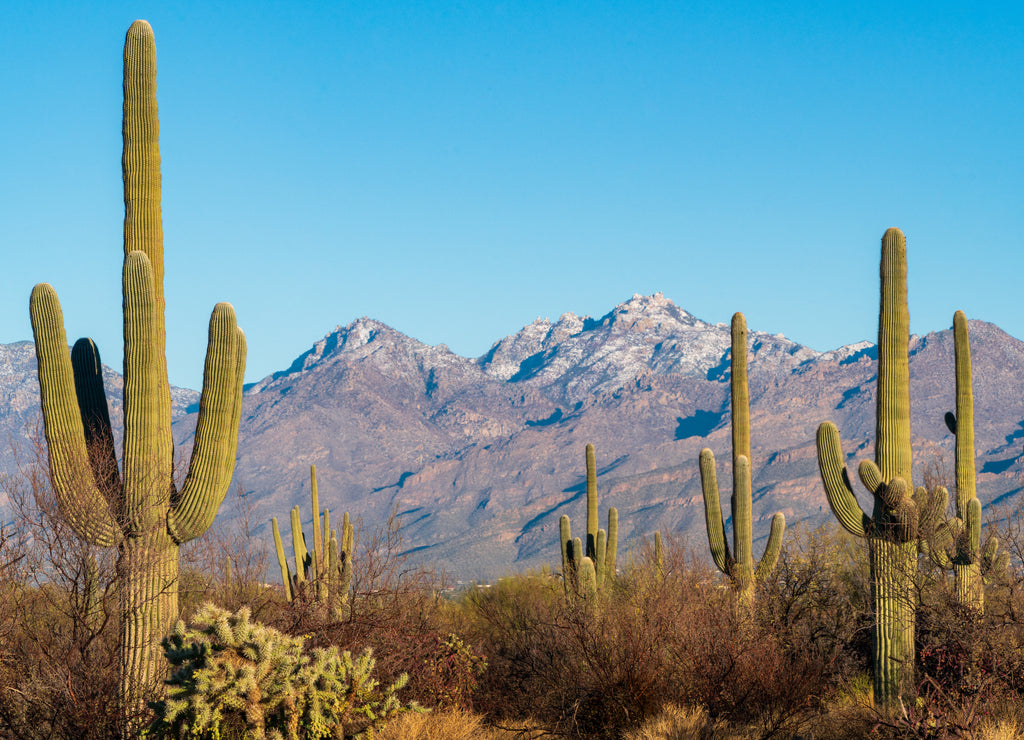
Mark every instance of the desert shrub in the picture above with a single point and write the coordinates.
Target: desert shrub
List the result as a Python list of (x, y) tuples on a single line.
[(232, 674), (59, 641), (398, 609)]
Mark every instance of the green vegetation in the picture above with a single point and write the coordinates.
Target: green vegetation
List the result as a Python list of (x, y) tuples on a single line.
[(955, 543), (325, 574), (232, 674), (738, 564), (140, 511), (892, 529), (667, 654), (587, 571)]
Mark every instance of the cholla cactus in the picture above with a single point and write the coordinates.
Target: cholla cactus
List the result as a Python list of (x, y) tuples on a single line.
[(233, 674)]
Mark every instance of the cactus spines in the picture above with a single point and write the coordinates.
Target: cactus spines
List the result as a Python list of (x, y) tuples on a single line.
[(738, 564), (325, 574), (892, 528), (140, 511)]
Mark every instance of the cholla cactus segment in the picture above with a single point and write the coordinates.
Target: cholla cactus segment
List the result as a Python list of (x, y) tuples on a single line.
[(230, 674)]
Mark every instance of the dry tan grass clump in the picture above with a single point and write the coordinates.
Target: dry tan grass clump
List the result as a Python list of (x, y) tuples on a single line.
[(682, 723), (454, 724)]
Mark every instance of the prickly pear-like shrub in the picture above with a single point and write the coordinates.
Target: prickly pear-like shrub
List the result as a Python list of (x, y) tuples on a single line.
[(231, 674)]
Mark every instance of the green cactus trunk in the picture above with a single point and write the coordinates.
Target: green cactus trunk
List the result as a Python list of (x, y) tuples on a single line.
[(970, 591), (893, 565), (891, 531), (592, 515), (738, 564), (142, 513)]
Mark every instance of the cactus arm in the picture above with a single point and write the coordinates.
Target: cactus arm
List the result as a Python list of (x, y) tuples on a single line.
[(592, 518), (773, 548), (841, 498), (713, 511), (286, 576), (565, 539), (613, 542), (92, 403), (299, 546), (602, 552), (587, 578), (213, 457), (318, 548), (972, 530), (742, 526), (81, 501), (347, 535)]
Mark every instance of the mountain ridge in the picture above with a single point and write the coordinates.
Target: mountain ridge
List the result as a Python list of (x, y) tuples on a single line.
[(480, 456)]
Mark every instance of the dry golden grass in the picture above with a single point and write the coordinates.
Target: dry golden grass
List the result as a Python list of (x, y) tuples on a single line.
[(453, 724), (1002, 729), (682, 723)]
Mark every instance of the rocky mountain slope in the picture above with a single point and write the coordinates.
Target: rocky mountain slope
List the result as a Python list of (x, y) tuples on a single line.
[(481, 456)]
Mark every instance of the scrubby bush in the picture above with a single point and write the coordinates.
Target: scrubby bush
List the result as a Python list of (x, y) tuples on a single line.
[(232, 674)]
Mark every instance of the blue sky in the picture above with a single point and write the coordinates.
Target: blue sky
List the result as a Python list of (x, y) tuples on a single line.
[(456, 170)]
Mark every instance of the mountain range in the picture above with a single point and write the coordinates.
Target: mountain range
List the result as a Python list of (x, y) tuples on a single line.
[(479, 457)]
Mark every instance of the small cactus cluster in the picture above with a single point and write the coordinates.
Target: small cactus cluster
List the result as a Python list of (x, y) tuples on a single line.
[(233, 675), (587, 569), (325, 574), (738, 564)]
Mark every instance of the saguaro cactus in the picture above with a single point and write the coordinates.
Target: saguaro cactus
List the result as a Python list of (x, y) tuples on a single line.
[(326, 573), (601, 546), (891, 530), (739, 563), (956, 543), (141, 512)]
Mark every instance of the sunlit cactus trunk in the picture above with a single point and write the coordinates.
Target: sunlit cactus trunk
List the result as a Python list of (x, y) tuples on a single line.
[(892, 529), (738, 563), (138, 509)]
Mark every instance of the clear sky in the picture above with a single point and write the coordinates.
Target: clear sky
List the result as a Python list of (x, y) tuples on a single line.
[(458, 169)]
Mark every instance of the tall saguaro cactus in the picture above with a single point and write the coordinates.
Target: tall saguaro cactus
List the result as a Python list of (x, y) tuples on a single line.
[(139, 510), (891, 529), (956, 543), (601, 545), (739, 563)]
